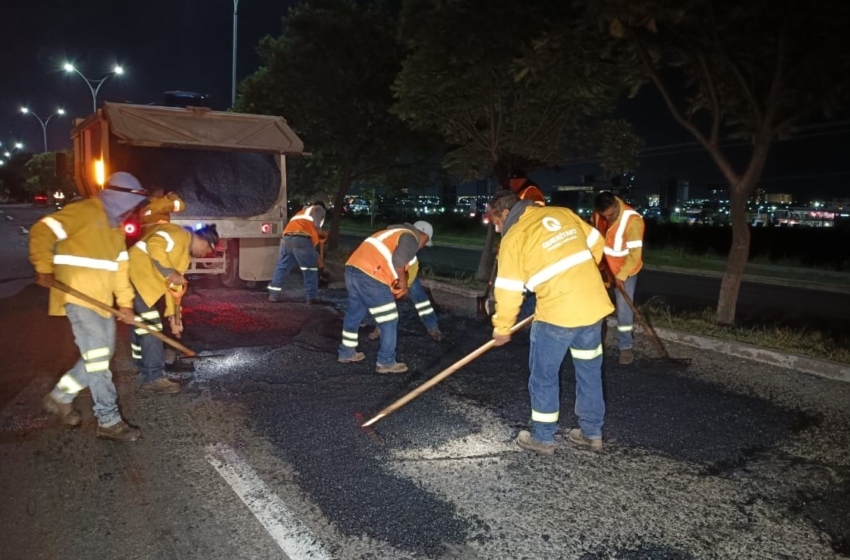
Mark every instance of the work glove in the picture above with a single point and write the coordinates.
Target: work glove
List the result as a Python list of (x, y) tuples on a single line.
[(126, 315), (176, 327), (176, 278), (44, 279)]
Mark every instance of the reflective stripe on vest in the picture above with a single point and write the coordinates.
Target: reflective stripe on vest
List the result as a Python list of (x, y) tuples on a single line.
[(169, 241), (55, 227), (559, 267), (85, 262), (377, 242)]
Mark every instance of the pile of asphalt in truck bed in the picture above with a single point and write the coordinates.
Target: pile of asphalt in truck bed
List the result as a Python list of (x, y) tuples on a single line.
[(211, 183)]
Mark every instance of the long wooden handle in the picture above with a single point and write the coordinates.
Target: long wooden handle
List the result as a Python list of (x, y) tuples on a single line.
[(644, 323), (440, 376), (88, 299)]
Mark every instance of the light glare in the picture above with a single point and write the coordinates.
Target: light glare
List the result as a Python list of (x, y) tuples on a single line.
[(118, 70), (69, 67)]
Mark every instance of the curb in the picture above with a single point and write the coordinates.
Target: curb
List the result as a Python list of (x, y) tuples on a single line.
[(464, 301), (802, 284)]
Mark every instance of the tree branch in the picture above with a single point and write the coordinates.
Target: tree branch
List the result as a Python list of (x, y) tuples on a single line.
[(713, 150), (715, 100), (736, 70)]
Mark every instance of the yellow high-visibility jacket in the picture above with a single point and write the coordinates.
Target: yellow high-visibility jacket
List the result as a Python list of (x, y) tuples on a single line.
[(159, 209), (553, 253), (82, 250), (164, 248)]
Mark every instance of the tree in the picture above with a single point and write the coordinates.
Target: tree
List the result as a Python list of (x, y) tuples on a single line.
[(754, 69), (462, 80), (619, 147), (13, 179), (40, 176), (330, 74)]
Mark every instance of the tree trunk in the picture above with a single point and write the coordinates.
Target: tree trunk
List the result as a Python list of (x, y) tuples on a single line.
[(336, 215), (738, 254)]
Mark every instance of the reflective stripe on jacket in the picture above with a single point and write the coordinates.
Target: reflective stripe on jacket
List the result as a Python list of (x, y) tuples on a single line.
[(159, 209), (623, 240), (82, 250), (303, 222), (375, 255), (532, 192), (554, 253), (169, 246)]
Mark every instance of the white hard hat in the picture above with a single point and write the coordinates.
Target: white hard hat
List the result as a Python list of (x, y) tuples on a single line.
[(427, 229)]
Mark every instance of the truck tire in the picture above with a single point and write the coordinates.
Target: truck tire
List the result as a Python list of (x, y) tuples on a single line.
[(230, 278)]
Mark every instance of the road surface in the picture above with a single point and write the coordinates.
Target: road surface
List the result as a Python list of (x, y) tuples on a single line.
[(260, 457)]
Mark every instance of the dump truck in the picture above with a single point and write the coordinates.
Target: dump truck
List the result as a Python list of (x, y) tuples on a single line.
[(229, 169)]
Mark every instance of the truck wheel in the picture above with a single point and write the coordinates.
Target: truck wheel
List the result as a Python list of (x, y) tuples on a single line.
[(230, 278)]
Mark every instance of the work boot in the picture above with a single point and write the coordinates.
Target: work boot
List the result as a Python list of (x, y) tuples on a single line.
[(435, 334), (396, 367), (527, 442), (357, 357), (374, 335), (626, 357), (579, 440), (119, 432), (66, 412), (162, 385), (274, 299)]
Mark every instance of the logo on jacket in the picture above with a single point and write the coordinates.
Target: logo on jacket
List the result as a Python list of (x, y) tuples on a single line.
[(551, 224)]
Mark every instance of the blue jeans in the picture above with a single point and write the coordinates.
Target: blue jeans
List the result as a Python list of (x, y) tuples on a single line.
[(365, 294), (296, 249), (95, 337), (625, 315), (147, 350), (422, 304), (549, 344)]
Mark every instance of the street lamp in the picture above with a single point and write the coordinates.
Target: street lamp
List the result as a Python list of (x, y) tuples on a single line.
[(15, 146), (233, 79), (97, 83), (43, 123)]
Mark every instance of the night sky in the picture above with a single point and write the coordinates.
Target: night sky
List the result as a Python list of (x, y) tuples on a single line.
[(186, 44)]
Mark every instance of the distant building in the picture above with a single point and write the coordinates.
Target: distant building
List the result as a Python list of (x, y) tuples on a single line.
[(674, 193), (759, 196), (578, 198), (779, 198)]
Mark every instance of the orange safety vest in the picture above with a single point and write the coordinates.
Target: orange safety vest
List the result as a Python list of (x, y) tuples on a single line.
[(617, 245), (375, 255), (302, 223), (526, 190)]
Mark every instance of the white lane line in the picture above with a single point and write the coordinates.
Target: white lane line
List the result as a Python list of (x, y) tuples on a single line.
[(295, 539)]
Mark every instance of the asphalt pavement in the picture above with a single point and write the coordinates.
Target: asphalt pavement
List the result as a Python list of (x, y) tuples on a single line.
[(261, 455)]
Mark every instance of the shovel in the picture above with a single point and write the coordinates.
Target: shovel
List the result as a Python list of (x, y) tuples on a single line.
[(109, 309), (647, 327), (324, 276)]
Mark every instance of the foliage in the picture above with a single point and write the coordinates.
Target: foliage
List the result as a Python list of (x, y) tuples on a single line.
[(755, 69), (13, 180), (330, 73), (619, 147), (41, 177), (462, 79)]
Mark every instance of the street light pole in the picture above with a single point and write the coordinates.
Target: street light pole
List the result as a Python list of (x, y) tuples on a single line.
[(233, 78), (44, 123), (94, 89)]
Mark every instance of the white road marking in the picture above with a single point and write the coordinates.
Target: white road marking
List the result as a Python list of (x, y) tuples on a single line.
[(289, 533)]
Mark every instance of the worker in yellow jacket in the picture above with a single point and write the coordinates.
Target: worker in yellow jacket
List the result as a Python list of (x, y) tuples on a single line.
[(555, 254), (83, 246), (157, 264), (160, 207), (376, 275), (622, 227)]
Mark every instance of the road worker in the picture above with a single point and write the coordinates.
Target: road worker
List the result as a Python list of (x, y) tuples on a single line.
[(622, 228), (376, 275), (83, 246), (421, 302), (300, 237), (157, 264), (160, 207), (526, 189), (555, 254)]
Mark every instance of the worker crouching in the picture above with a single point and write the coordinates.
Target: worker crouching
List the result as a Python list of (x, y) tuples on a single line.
[(555, 254), (157, 264), (376, 276), (83, 247)]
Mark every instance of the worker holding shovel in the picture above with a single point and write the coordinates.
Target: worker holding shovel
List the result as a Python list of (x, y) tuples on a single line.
[(157, 264), (298, 247), (83, 247)]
